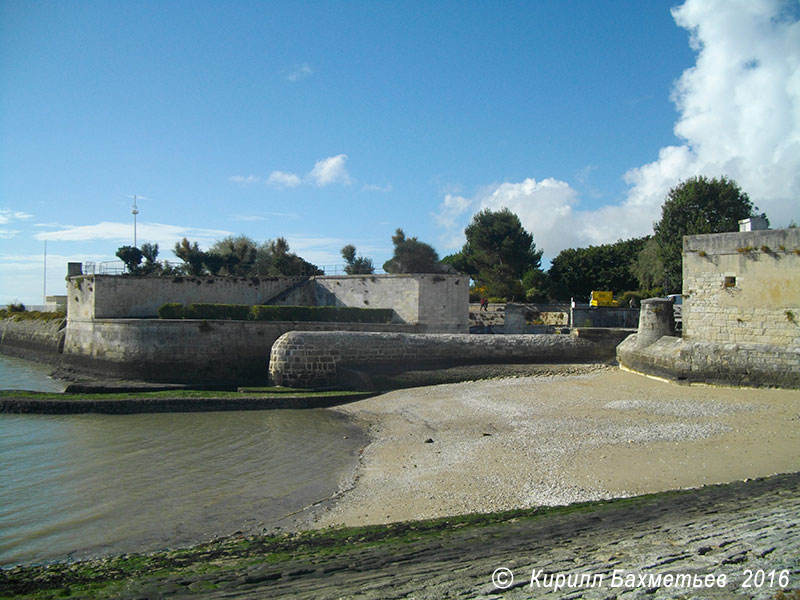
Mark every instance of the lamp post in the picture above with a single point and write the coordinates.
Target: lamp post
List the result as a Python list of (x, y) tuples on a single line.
[(134, 212)]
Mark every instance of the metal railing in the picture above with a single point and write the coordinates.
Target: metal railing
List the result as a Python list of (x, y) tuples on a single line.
[(117, 267)]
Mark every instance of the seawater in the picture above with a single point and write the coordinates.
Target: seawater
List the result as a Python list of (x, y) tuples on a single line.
[(75, 486), (18, 374)]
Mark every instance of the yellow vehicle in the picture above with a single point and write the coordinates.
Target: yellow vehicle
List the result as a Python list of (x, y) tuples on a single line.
[(602, 299)]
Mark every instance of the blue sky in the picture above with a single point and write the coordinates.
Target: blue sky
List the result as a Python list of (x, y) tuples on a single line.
[(331, 123)]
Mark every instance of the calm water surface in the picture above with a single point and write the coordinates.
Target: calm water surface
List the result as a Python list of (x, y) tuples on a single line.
[(18, 374), (82, 485)]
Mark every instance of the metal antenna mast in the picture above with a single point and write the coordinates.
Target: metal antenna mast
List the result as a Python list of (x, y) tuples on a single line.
[(134, 212)]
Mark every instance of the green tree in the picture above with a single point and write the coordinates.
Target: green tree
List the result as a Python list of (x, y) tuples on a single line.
[(356, 265), (191, 255), (604, 267), (132, 257), (279, 260), (695, 206), (238, 255), (498, 252), (457, 261), (151, 265), (213, 262), (648, 267), (412, 256)]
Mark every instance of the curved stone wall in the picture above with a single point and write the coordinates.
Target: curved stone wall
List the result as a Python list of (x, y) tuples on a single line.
[(316, 358), (730, 363), (183, 350)]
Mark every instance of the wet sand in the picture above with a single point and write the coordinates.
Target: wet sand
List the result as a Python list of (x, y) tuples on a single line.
[(485, 446)]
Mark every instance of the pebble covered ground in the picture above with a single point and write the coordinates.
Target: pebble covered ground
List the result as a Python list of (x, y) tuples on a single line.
[(490, 445)]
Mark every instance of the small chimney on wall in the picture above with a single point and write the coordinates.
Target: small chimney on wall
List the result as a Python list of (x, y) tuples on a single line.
[(753, 224)]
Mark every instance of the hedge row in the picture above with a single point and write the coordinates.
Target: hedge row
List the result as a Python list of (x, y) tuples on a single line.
[(244, 312), (30, 315)]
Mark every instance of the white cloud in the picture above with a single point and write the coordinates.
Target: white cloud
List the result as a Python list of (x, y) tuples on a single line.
[(321, 251), (283, 179), (330, 170), (162, 234), (249, 180), (545, 208), (325, 172), (300, 72), (738, 115), (6, 216), (371, 187), (739, 107), (451, 208)]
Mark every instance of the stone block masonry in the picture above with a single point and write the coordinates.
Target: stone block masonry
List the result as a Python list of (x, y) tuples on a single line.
[(111, 331), (34, 339), (318, 359), (741, 314), (125, 297), (438, 303), (185, 350), (742, 287), (738, 364)]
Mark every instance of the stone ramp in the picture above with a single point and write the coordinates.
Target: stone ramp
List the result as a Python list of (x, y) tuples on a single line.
[(725, 530)]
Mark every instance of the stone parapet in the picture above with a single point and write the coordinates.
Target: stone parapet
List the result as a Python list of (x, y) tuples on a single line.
[(317, 359)]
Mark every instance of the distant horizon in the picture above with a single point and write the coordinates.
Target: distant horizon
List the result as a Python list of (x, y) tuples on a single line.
[(336, 123)]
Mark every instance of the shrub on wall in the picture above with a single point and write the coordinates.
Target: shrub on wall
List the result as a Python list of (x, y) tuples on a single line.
[(30, 315), (232, 312), (170, 310), (242, 312)]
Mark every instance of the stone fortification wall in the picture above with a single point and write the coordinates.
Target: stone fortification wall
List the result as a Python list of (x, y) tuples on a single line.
[(112, 296), (110, 332), (34, 339), (605, 316), (312, 359), (717, 363), (191, 351), (521, 318), (443, 302), (438, 303), (742, 287), (653, 350), (398, 292)]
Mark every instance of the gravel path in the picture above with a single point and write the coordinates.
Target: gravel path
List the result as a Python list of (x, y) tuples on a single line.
[(485, 446)]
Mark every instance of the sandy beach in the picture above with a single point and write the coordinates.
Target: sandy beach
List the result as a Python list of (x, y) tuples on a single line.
[(519, 442)]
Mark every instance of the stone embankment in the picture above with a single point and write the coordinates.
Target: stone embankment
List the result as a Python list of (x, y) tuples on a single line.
[(364, 360), (737, 540), (655, 351), (120, 404), (31, 338)]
